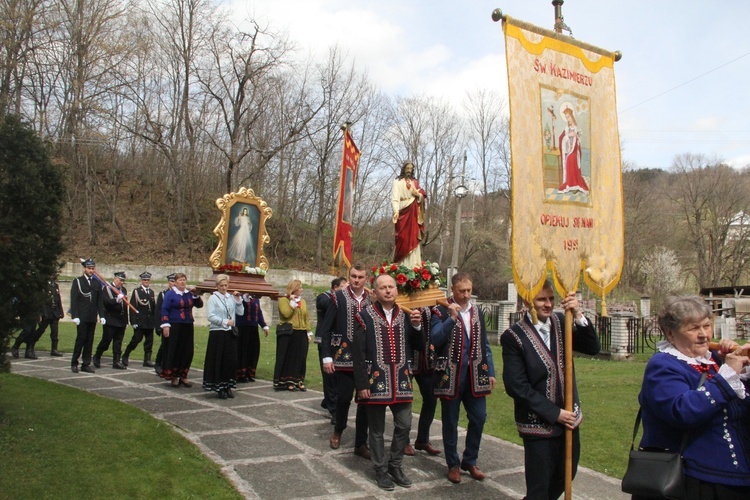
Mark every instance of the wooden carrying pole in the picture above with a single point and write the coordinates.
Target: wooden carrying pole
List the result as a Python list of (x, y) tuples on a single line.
[(112, 287), (568, 402)]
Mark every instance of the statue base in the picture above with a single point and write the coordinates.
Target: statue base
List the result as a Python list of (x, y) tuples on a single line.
[(422, 298), (254, 284)]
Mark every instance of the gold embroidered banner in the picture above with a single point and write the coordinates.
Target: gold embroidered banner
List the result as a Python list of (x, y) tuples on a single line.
[(566, 177)]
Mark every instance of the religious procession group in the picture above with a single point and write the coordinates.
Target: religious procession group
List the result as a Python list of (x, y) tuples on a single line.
[(94, 299)]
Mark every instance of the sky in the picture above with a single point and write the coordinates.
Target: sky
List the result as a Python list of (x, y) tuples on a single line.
[(683, 83)]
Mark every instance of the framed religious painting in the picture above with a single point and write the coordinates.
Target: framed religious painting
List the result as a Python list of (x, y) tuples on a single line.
[(241, 233)]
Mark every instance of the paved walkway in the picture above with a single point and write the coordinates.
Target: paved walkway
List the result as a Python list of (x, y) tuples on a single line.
[(275, 444)]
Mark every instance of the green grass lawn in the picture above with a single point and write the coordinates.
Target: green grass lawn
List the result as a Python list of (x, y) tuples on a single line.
[(61, 433)]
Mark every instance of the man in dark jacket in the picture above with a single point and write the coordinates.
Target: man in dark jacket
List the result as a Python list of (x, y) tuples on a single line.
[(383, 343), (113, 314), (84, 307), (464, 373), (533, 374), (143, 321)]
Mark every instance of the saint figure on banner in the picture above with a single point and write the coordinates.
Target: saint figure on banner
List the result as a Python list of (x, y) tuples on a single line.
[(570, 153), (408, 202), (241, 249)]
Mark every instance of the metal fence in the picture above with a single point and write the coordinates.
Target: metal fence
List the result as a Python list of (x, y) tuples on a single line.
[(643, 333)]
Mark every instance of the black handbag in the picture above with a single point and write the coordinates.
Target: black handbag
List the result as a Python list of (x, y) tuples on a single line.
[(284, 329), (655, 474)]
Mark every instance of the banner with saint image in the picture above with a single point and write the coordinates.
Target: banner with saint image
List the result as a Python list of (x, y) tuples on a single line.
[(342, 238), (567, 206)]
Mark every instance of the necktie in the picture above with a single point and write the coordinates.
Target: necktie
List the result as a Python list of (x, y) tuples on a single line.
[(544, 332)]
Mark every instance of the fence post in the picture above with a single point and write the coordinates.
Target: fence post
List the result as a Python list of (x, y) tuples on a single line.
[(506, 307), (619, 344)]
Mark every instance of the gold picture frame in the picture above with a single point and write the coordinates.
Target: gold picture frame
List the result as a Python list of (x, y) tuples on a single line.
[(241, 231)]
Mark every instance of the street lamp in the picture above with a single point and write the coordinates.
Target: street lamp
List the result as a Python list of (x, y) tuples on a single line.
[(459, 192)]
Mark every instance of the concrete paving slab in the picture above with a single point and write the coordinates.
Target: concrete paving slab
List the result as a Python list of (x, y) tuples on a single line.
[(274, 444)]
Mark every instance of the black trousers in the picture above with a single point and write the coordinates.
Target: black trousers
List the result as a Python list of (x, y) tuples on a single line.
[(429, 403), (544, 463), (344, 395), (162, 352), (329, 386), (84, 343), (138, 335), (113, 334), (53, 324)]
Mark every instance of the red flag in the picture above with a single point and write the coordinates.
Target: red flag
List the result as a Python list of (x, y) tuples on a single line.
[(343, 233)]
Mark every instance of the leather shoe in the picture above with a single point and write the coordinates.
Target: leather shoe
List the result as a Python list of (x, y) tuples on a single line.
[(14, 352), (125, 361), (118, 366), (222, 394), (426, 447), (474, 471), (409, 451), (87, 369), (335, 440), (454, 475), (383, 481), (399, 477), (98, 361), (230, 394), (74, 368), (362, 451), (148, 363), (30, 354), (57, 354), (185, 382)]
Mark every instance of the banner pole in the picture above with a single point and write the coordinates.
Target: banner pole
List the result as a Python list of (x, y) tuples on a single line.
[(568, 402)]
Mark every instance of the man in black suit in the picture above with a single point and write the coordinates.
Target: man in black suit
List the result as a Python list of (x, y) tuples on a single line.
[(143, 321), (533, 372), (322, 303), (52, 312), (113, 314), (84, 306)]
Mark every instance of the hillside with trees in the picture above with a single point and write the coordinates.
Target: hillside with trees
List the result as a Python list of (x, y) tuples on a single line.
[(153, 109)]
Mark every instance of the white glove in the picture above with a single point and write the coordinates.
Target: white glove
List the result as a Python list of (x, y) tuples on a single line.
[(246, 297), (293, 303), (265, 328), (102, 321), (135, 327), (120, 297), (77, 321)]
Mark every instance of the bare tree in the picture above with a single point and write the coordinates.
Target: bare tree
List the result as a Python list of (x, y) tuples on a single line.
[(710, 195)]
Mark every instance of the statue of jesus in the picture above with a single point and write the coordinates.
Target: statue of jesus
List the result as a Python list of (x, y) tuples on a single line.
[(408, 202)]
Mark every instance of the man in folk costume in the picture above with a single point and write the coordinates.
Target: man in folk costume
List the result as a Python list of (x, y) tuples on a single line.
[(84, 306), (464, 373), (408, 203), (113, 315), (533, 374), (423, 364), (383, 342), (338, 336), (164, 344), (144, 321)]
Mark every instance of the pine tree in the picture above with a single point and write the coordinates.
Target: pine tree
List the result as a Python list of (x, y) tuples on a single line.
[(31, 196)]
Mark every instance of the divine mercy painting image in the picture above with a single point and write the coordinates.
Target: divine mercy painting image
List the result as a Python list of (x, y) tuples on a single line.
[(242, 236), (566, 146)]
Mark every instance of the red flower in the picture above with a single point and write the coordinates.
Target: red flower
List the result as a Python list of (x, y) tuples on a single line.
[(401, 278), (426, 274), (415, 283), (374, 268), (394, 267), (417, 269), (382, 270)]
